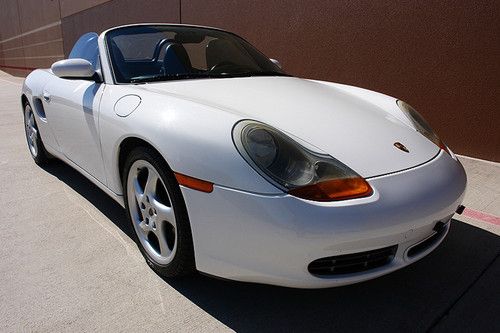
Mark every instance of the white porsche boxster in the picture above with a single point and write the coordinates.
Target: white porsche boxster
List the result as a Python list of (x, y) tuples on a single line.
[(229, 166)]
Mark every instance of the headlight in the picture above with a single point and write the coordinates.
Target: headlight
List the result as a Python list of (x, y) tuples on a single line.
[(294, 168), (421, 125)]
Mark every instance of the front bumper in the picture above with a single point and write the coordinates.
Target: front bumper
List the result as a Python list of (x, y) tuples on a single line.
[(272, 239)]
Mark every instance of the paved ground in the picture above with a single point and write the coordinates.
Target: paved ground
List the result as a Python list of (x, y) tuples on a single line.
[(67, 263)]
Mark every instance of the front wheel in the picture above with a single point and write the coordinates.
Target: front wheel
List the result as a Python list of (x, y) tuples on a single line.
[(33, 138), (158, 214)]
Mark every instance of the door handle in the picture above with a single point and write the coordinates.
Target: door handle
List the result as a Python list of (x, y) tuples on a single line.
[(46, 96)]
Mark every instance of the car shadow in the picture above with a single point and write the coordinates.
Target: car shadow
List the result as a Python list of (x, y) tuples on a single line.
[(110, 208), (413, 299)]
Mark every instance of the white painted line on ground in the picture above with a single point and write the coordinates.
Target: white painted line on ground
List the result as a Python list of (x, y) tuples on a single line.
[(480, 160), (14, 83)]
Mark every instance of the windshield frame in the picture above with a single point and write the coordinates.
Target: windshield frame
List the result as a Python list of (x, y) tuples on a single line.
[(106, 38)]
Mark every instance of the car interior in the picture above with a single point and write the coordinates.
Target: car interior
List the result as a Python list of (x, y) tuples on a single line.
[(169, 57), (151, 51)]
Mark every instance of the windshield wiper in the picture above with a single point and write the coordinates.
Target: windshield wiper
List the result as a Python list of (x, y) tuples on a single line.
[(183, 76), (256, 73), (166, 77)]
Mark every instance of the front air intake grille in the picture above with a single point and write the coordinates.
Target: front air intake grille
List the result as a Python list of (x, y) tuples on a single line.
[(353, 263), (440, 229)]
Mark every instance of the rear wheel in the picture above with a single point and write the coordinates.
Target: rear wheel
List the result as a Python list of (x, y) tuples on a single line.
[(158, 214), (33, 138)]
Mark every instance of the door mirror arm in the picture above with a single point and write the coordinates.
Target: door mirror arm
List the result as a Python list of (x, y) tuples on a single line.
[(97, 77)]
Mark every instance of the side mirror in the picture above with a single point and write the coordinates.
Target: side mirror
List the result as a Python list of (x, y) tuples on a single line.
[(73, 68), (276, 62)]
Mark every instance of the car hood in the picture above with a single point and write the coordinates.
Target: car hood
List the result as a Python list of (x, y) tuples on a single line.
[(325, 117)]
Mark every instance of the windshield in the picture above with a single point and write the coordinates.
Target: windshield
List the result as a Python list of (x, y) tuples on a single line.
[(156, 53)]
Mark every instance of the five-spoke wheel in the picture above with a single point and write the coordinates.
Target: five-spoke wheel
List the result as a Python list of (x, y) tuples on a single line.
[(33, 138), (31, 130), (152, 212), (158, 213)]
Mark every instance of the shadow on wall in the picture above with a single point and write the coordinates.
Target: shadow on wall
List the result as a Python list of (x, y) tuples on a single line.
[(414, 299)]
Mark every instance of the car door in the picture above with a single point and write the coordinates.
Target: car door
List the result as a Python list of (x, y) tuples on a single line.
[(72, 109)]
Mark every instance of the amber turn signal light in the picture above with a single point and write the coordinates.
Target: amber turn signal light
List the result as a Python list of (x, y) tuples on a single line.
[(334, 190), (194, 183)]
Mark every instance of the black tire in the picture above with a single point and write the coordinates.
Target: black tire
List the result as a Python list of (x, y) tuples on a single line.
[(183, 262), (41, 157)]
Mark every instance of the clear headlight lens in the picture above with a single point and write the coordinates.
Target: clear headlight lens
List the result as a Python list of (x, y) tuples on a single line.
[(421, 125), (295, 169)]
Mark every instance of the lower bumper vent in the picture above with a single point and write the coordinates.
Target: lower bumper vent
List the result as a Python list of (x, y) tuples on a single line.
[(353, 263), (440, 230)]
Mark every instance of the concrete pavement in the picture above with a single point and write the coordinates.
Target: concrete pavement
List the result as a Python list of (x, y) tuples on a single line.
[(67, 263)]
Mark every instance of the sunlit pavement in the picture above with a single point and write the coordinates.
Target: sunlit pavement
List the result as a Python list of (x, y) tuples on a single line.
[(67, 263)]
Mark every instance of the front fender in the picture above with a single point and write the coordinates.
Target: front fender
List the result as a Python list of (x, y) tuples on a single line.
[(32, 88), (194, 139)]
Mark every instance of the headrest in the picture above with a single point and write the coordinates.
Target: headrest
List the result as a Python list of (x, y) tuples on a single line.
[(176, 59)]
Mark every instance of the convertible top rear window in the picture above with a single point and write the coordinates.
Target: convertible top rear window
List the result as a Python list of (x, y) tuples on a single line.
[(164, 52)]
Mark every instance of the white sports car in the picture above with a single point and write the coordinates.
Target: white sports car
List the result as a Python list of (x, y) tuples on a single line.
[(229, 166)]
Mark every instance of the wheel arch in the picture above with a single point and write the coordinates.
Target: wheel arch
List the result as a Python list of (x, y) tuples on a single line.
[(126, 146), (187, 262), (24, 101)]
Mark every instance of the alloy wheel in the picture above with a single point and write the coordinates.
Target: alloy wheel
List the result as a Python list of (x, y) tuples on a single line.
[(31, 130), (152, 212)]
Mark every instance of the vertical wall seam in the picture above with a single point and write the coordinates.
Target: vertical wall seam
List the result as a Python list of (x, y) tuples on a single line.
[(21, 30), (61, 27)]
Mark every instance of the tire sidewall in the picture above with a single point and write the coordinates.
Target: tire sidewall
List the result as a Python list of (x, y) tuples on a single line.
[(183, 261), (42, 157)]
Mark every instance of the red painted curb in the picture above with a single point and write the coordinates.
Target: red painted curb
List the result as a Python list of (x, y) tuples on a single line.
[(477, 215)]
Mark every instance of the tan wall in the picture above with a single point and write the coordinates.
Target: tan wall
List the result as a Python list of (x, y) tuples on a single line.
[(70, 7), (117, 12), (441, 57), (30, 35)]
